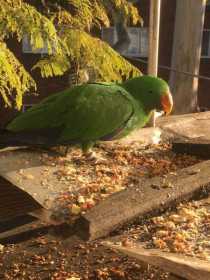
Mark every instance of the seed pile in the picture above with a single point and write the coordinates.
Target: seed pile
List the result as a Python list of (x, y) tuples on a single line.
[(122, 167), (185, 231)]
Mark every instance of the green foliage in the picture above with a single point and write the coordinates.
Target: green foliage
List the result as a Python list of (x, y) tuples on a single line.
[(19, 18), (123, 8), (94, 53), (64, 27), (54, 65), (13, 77), (84, 14)]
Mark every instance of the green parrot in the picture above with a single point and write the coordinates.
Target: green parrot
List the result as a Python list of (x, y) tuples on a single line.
[(89, 113)]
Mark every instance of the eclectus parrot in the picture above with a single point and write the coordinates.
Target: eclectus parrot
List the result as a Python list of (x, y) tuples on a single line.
[(89, 113)]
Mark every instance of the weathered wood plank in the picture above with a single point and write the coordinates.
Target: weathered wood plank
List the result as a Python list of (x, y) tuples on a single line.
[(196, 147), (24, 232), (186, 267), (188, 126), (14, 201), (25, 187), (149, 197), (15, 222)]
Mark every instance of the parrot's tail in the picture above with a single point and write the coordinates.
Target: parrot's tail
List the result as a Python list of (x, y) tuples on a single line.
[(18, 139), (9, 139)]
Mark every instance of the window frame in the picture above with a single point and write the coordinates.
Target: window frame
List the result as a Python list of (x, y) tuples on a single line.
[(208, 5), (143, 54), (208, 55)]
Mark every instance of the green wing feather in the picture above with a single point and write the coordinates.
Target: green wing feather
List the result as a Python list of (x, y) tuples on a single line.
[(84, 113)]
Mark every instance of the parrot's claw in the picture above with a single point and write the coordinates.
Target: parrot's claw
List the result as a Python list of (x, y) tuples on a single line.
[(63, 151), (66, 151), (94, 158)]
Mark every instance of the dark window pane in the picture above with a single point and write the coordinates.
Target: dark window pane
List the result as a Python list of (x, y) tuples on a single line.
[(205, 43)]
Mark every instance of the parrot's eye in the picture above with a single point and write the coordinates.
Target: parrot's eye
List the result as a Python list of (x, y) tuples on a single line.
[(150, 91)]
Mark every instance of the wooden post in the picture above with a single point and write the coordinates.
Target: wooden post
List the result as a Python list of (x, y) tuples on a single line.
[(154, 26), (186, 53)]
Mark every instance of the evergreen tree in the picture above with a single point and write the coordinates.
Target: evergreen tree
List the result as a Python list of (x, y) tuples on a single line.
[(65, 28)]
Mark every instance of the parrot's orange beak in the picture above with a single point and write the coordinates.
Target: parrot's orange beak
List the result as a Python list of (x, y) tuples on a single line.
[(167, 102)]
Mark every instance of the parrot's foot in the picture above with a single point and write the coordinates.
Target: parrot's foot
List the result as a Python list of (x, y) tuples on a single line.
[(63, 151), (66, 150), (94, 158), (90, 155)]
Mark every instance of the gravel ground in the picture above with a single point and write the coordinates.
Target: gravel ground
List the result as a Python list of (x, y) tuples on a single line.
[(47, 257)]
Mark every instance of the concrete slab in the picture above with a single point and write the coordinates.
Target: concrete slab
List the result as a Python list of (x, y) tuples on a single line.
[(25, 170), (35, 175), (190, 126)]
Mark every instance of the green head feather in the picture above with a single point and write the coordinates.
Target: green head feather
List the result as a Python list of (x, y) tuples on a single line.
[(148, 90)]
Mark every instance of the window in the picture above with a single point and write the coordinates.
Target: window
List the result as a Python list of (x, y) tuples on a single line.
[(139, 40), (27, 47), (205, 51), (207, 5)]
